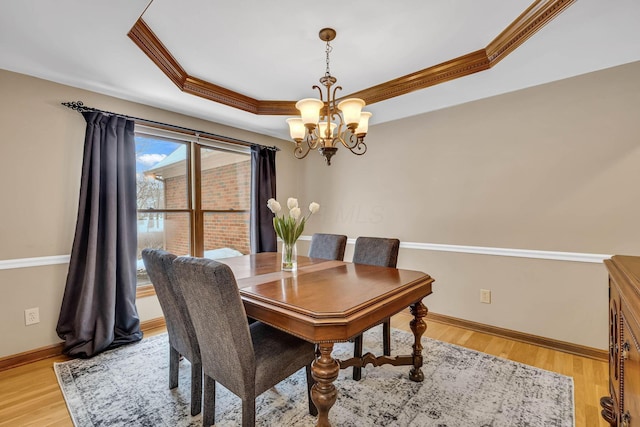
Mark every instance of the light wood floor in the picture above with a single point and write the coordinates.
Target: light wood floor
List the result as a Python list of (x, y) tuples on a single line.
[(30, 396)]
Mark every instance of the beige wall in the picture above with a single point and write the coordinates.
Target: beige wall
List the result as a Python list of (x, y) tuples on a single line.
[(40, 163), (551, 168)]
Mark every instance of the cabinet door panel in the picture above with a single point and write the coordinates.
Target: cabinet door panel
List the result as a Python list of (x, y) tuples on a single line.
[(631, 374), (615, 324)]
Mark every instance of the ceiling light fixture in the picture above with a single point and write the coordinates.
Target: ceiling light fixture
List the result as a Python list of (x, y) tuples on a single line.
[(324, 124)]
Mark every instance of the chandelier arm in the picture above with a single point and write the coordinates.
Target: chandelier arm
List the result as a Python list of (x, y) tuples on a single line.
[(299, 153), (334, 108), (319, 91), (310, 144), (358, 147), (353, 142), (313, 138)]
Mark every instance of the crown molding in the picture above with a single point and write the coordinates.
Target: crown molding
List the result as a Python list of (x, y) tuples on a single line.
[(151, 45), (142, 35), (528, 23), (450, 70)]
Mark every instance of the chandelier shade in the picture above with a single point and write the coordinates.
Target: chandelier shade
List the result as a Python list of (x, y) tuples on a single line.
[(363, 125), (296, 128), (324, 134), (351, 109), (310, 110), (325, 124)]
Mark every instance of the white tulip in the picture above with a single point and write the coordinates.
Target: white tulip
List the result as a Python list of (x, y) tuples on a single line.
[(295, 212), (314, 207), (292, 203), (273, 205)]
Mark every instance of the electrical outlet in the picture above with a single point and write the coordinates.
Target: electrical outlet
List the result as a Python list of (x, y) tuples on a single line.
[(485, 296), (31, 316)]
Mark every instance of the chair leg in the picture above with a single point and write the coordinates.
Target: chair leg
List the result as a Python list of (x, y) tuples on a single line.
[(174, 366), (386, 337), (248, 412), (209, 411), (310, 382), (357, 352), (196, 388)]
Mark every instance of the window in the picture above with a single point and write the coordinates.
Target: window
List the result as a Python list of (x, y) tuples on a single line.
[(193, 196)]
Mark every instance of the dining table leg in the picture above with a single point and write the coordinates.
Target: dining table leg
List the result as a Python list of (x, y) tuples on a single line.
[(418, 327), (324, 370)]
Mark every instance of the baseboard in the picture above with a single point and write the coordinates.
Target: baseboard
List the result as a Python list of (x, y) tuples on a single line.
[(566, 347), (151, 324), (31, 356)]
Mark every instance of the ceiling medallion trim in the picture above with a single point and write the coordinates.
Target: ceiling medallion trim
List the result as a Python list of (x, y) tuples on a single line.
[(526, 25)]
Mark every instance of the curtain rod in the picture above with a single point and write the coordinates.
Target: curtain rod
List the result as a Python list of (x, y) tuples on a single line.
[(81, 108)]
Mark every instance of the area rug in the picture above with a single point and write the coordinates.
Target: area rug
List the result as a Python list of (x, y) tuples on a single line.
[(128, 387)]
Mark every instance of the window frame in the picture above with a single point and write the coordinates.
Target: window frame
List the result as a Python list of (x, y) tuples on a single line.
[(194, 143)]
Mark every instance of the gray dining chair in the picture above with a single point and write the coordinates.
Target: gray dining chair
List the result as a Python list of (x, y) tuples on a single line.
[(245, 359), (328, 246), (382, 252), (182, 335)]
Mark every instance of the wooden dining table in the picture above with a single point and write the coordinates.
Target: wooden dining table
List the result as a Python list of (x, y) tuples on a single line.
[(326, 302)]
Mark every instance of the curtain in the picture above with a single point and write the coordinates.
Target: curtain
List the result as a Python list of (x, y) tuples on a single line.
[(98, 309), (263, 187)]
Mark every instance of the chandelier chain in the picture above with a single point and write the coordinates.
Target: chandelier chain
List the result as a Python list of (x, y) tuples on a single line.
[(328, 50)]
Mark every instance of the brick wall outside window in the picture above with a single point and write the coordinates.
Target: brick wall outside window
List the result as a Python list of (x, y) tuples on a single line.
[(223, 188)]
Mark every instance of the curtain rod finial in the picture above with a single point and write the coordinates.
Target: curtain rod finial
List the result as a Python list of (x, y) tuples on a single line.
[(75, 105)]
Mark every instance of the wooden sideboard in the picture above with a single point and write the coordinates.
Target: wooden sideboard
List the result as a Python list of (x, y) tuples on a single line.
[(622, 406)]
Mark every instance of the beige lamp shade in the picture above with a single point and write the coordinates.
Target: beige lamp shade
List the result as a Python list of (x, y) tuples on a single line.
[(310, 110), (296, 128), (322, 130), (351, 109), (363, 124)]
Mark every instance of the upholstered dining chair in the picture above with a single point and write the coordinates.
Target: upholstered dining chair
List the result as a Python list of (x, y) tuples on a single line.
[(382, 252), (182, 335), (246, 359), (328, 246)]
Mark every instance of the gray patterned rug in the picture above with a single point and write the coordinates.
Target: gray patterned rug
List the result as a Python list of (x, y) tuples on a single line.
[(129, 387)]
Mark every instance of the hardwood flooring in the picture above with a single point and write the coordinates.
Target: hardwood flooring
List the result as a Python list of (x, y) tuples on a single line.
[(30, 395)]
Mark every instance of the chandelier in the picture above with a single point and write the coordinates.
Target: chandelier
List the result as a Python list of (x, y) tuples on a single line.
[(323, 124)]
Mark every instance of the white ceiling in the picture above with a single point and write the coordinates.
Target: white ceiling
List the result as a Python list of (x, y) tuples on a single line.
[(271, 50)]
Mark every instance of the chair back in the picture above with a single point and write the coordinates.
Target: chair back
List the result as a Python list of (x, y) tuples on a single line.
[(213, 300), (378, 251), (328, 246), (182, 335)]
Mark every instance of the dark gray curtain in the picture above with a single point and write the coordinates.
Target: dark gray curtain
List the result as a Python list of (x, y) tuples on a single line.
[(98, 308), (263, 187)]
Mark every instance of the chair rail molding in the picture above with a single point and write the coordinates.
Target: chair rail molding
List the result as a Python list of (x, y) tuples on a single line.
[(439, 247), (505, 252), (8, 264)]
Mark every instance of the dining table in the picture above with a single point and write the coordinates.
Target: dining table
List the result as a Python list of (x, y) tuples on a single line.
[(327, 302)]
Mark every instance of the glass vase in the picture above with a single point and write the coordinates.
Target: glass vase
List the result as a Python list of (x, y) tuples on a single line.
[(289, 256)]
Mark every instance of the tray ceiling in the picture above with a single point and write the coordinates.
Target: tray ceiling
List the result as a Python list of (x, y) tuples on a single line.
[(270, 51)]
